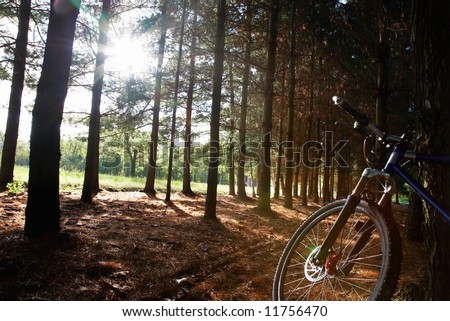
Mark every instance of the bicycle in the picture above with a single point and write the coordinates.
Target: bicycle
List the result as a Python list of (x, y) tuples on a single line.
[(351, 249)]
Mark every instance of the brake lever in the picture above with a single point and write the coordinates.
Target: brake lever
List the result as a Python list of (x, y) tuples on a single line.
[(341, 122), (362, 129)]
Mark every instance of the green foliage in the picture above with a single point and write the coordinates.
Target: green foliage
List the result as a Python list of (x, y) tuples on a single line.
[(22, 153), (8, 32), (73, 180), (73, 153), (148, 24), (4, 74), (15, 187)]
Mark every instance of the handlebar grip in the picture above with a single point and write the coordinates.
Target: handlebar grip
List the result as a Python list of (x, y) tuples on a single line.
[(359, 117)]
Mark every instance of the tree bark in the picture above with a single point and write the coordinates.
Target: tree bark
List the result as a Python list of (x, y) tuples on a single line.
[(326, 183), (316, 169), (151, 175), (15, 98), (43, 209), (187, 190), (290, 161), (297, 178), (252, 177), (382, 102), (241, 192), (91, 184), (431, 31), (264, 188), (231, 167), (278, 174), (175, 104), (231, 190), (307, 172), (213, 169), (280, 142), (132, 155), (304, 178)]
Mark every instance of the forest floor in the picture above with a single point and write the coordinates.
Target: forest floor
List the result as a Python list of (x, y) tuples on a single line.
[(127, 246)]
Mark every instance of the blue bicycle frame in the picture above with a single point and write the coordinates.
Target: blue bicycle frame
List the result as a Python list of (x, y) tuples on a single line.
[(393, 166)]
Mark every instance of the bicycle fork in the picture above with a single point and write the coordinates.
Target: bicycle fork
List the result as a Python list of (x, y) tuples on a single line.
[(350, 205)]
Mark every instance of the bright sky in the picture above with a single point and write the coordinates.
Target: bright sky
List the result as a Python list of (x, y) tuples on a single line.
[(126, 56), (25, 118), (73, 102)]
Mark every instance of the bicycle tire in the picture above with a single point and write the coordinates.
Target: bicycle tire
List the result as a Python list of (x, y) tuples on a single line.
[(370, 275)]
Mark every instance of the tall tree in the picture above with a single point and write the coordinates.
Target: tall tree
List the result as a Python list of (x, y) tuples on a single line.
[(91, 182), (431, 31), (383, 91), (15, 98), (43, 208), (151, 175), (231, 169), (269, 79), (187, 190), (291, 108), (280, 143), (214, 152), (175, 102), (241, 192)]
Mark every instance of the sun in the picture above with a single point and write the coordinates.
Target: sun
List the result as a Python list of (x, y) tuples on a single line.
[(127, 56)]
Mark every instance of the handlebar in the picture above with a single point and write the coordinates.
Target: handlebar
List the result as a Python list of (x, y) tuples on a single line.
[(362, 119), (363, 122)]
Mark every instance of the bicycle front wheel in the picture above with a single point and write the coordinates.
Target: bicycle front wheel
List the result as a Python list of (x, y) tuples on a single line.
[(363, 264)]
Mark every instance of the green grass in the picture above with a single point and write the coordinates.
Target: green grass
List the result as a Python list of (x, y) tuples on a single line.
[(73, 180), (21, 173)]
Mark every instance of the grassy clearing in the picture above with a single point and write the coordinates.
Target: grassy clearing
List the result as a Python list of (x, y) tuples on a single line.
[(74, 181)]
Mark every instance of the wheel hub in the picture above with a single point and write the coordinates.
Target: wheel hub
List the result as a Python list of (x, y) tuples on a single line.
[(331, 263), (316, 272)]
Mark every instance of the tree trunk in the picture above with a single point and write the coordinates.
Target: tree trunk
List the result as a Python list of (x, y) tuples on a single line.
[(280, 143), (332, 180), (132, 155), (382, 84), (252, 177), (414, 220), (213, 169), (241, 192), (316, 170), (304, 183), (326, 183), (431, 31), (291, 109), (264, 194), (43, 210), (133, 162), (91, 182), (151, 175), (283, 187), (15, 98), (231, 167), (298, 166), (175, 104), (187, 190), (307, 172), (279, 156)]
